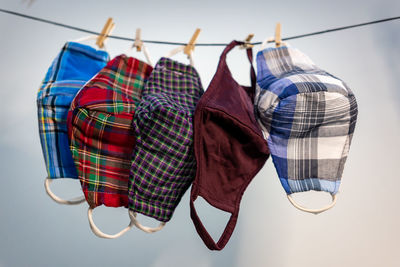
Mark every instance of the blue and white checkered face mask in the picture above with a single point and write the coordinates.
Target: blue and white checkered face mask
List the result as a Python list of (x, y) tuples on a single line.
[(70, 70), (308, 118)]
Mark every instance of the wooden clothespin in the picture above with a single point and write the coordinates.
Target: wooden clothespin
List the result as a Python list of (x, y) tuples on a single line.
[(189, 48), (247, 43), (278, 39), (138, 40), (107, 29)]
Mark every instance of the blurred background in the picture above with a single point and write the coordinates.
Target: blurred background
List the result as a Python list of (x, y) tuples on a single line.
[(361, 230)]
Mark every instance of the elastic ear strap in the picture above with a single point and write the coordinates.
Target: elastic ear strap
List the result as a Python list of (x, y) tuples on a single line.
[(249, 52), (252, 71), (74, 201), (175, 51), (191, 60), (180, 49), (104, 47), (146, 229), (99, 233), (314, 211), (265, 42), (228, 48), (146, 54), (205, 236), (86, 38)]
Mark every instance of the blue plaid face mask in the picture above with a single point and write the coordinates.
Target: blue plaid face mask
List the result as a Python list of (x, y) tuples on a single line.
[(308, 118), (70, 70)]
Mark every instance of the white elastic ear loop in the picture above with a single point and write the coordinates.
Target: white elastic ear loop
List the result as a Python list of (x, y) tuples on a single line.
[(265, 42), (145, 52), (88, 38), (175, 51), (74, 201), (180, 49), (270, 39), (191, 60), (146, 229), (85, 38), (99, 233), (314, 211)]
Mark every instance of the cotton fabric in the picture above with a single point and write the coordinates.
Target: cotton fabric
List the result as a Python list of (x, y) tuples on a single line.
[(163, 163), (101, 132), (308, 118), (228, 144), (70, 70)]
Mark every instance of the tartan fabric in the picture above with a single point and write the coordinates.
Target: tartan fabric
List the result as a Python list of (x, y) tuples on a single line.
[(308, 117), (163, 163), (70, 70), (101, 133)]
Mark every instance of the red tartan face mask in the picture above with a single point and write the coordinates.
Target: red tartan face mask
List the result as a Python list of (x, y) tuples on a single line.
[(228, 144), (101, 134)]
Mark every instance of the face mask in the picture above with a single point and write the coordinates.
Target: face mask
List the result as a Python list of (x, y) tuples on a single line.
[(163, 163), (228, 145), (101, 133), (71, 69), (308, 117)]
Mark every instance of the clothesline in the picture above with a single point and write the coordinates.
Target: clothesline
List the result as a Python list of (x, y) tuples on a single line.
[(197, 44)]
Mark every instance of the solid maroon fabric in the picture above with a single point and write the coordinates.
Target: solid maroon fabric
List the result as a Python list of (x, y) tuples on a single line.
[(228, 144)]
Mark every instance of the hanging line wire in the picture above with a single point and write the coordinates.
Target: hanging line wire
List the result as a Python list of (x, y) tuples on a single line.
[(197, 44)]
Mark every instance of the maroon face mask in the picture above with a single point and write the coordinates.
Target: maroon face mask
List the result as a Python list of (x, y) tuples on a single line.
[(228, 144)]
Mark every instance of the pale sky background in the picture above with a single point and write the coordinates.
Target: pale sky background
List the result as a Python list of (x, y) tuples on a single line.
[(361, 230)]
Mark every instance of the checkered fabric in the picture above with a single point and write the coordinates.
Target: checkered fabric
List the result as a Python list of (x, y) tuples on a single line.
[(308, 117), (163, 163), (101, 132), (70, 70)]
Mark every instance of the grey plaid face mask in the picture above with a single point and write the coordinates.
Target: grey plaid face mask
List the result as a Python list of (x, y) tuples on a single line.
[(308, 118)]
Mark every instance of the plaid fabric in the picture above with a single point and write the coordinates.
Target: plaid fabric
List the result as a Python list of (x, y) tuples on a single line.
[(101, 133), (163, 163), (308, 117), (70, 70)]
